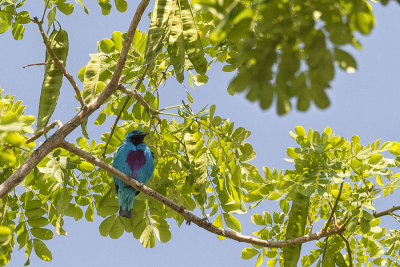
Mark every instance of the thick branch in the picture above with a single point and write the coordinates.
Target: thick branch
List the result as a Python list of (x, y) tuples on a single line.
[(193, 218), (56, 139), (386, 212), (58, 63)]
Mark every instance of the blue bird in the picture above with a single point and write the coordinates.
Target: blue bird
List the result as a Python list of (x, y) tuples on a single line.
[(135, 159)]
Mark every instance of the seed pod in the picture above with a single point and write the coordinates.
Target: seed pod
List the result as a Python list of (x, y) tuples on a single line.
[(295, 228), (53, 76)]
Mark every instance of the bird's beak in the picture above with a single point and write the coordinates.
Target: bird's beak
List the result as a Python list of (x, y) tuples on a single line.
[(144, 134)]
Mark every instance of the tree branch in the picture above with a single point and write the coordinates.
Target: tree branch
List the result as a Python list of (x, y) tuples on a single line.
[(348, 249), (193, 218), (37, 64), (140, 99), (44, 131), (123, 108), (58, 137), (386, 212), (58, 62), (334, 207)]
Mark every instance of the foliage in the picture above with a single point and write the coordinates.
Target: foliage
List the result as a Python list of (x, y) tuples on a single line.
[(282, 50)]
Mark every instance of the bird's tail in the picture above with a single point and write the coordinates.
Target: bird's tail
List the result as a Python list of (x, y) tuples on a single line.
[(125, 213)]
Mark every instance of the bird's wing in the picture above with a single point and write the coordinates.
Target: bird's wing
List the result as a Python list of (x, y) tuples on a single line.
[(120, 164), (145, 173)]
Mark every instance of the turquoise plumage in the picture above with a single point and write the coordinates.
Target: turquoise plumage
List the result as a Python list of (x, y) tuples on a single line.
[(135, 159)]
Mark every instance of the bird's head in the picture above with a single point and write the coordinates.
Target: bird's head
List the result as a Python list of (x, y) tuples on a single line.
[(136, 137)]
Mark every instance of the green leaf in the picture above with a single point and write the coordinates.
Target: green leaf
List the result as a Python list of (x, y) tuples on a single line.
[(106, 46), (200, 79), (18, 31), (121, 5), (395, 148), (246, 152), (257, 219), (41, 250), (365, 227), (86, 167), (147, 239), (51, 16), (117, 229), (232, 223), (259, 260), (300, 131), (89, 213), (75, 211), (117, 39), (345, 61), (106, 225), (38, 222), (162, 233), (105, 6), (66, 8), (101, 118), (364, 22), (189, 97), (218, 223), (4, 26), (5, 233), (193, 46), (249, 253), (42, 233)]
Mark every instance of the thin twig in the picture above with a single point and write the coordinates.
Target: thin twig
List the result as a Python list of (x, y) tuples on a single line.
[(44, 11), (122, 109), (334, 207), (171, 107), (44, 131), (193, 218), (59, 64), (55, 140), (311, 221), (141, 100), (395, 217), (324, 252), (348, 249), (37, 64)]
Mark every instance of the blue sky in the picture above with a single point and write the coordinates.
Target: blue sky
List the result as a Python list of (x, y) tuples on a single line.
[(365, 103)]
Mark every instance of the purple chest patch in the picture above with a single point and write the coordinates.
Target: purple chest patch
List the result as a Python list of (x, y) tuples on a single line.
[(136, 160)]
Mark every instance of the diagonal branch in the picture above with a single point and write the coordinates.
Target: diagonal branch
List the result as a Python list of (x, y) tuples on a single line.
[(141, 100), (58, 137), (195, 219), (334, 207), (386, 212), (58, 62), (348, 249), (123, 108), (44, 131)]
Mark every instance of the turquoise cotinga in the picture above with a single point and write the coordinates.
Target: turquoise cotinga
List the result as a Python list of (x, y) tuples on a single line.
[(135, 159)]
